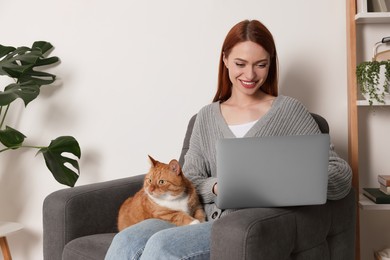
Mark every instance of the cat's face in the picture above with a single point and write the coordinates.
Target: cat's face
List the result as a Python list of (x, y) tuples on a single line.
[(164, 181)]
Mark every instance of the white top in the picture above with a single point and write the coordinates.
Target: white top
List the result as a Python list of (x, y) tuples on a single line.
[(242, 129), (7, 228)]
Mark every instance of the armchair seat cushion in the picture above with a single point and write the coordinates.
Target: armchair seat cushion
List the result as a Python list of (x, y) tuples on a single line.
[(93, 247)]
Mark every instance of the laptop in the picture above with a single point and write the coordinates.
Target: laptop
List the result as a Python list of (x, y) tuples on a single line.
[(274, 171)]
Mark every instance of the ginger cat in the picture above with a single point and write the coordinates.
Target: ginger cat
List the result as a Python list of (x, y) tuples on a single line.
[(166, 194)]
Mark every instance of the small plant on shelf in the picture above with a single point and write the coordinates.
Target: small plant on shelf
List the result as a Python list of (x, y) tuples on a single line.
[(368, 78), (19, 64)]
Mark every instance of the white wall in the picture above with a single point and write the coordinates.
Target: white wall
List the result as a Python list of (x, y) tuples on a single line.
[(134, 72)]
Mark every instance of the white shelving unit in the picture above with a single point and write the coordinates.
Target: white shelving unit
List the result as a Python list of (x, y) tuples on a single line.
[(361, 23), (364, 103), (367, 204), (372, 17)]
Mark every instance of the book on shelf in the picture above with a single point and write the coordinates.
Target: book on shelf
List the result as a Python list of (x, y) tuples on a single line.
[(384, 179), (376, 195), (377, 6), (361, 6), (384, 189)]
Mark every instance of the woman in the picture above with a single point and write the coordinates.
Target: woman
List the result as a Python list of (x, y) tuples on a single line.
[(246, 104)]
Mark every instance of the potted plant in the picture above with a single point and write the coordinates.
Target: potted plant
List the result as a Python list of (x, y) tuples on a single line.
[(368, 75), (21, 65)]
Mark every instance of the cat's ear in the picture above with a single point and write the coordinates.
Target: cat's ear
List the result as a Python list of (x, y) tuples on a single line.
[(152, 161), (175, 166)]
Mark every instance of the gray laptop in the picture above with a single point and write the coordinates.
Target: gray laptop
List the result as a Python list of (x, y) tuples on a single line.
[(273, 171)]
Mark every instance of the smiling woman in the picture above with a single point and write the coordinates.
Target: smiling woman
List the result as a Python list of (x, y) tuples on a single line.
[(248, 64)]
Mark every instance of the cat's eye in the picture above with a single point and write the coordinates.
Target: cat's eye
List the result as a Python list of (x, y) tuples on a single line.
[(149, 180), (161, 182)]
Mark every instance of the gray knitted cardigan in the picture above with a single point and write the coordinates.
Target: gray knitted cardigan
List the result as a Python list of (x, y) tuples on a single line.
[(287, 116)]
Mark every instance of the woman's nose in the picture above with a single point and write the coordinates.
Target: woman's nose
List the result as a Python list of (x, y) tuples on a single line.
[(250, 73)]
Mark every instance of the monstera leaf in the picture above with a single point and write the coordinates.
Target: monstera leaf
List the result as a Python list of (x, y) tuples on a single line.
[(58, 163), (27, 91), (19, 63), (11, 138)]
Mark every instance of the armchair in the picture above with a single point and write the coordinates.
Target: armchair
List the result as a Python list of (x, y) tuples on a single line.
[(79, 223)]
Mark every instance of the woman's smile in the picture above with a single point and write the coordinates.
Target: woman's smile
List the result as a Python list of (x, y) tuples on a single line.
[(248, 84)]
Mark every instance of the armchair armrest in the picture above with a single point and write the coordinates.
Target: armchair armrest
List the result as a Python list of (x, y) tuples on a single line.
[(258, 233), (84, 210), (307, 232)]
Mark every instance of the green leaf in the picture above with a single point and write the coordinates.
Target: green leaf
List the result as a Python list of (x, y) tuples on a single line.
[(43, 46), (27, 91), (47, 61), (10, 137), (367, 75), (38, 77), (19, 63), (15, 70), (4, 50), (55, 160)]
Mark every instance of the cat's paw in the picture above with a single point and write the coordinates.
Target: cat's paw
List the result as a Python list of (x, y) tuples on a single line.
[(194, 222)]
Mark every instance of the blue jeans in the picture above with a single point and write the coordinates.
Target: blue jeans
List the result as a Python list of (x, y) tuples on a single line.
[(155, 239)]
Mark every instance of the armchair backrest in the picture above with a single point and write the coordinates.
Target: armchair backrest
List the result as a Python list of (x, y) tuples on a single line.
[(186, 142), (322, 124)]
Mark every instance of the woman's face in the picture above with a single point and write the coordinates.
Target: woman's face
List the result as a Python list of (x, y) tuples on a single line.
[(248, 65)]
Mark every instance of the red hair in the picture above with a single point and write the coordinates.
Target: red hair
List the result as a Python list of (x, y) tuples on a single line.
[(256, 32)]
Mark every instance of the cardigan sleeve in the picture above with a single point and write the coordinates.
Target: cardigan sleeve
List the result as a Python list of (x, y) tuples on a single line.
[(300, 122), (340, 176), (196, 167)]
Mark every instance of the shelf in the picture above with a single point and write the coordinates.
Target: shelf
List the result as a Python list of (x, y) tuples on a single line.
[(364, 103), (367, 204), (363, 18)]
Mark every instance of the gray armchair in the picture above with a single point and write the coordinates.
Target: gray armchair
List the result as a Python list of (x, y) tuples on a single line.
[(79, 224)]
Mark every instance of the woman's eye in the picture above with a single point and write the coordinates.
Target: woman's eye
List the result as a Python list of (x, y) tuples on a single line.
[(263, 65), (161, 182), (240, 65)]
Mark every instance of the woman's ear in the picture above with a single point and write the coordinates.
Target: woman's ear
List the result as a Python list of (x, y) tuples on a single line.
[(224, 58)]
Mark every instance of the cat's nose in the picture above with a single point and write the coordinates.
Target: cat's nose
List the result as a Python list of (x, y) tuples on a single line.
[(151, 188)]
